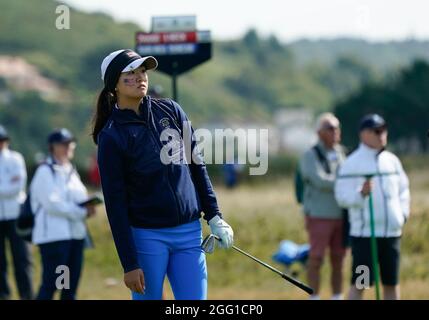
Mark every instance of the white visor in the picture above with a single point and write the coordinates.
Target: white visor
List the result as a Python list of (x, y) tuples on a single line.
[(149, 63)]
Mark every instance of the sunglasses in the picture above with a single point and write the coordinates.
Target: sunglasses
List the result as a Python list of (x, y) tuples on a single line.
[(330, 127), (379, 131)]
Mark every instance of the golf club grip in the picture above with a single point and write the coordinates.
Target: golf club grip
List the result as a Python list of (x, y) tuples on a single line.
[(298, 284)]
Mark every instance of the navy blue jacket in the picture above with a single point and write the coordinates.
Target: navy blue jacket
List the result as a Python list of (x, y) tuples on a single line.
[(139, 189)]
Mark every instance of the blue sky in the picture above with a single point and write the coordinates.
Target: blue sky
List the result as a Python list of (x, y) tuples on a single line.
[(377, 20)]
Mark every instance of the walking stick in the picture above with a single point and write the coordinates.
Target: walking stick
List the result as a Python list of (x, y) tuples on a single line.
[(373, 241)]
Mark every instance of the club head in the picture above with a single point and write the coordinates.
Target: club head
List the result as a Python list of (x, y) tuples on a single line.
[(209, 243)]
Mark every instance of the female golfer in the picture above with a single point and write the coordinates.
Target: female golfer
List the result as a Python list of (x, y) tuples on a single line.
[(153, 204), (59, 227)]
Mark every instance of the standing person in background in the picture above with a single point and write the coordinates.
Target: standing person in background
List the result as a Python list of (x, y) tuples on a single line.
[(153, 204), (59, 226), (391, 203), (13, 179), (156, 91), (324, 218), (94, 173)]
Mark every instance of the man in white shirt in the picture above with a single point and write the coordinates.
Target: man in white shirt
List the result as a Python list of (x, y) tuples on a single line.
[(13, 178), (391, 203)]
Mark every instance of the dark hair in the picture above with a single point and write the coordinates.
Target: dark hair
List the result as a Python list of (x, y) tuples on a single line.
[(104, 106)]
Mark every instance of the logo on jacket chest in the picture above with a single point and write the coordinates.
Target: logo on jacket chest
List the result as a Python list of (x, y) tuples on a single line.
[(165, 123)]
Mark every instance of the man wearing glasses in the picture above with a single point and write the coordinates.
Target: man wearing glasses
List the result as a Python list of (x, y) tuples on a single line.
[(391, 205), (324, 218)]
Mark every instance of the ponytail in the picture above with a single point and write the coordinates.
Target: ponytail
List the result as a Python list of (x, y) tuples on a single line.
[(104, 107)]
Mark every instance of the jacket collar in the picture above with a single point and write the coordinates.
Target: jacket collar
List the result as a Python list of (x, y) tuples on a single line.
[(368, 150), (66, 167), (323, 148), (5, 152), (124, 116)]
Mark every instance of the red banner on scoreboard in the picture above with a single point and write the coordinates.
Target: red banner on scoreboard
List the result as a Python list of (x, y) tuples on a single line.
[(166, 37)]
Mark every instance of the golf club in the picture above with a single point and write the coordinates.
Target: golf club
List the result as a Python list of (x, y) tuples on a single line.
[(208, 246)]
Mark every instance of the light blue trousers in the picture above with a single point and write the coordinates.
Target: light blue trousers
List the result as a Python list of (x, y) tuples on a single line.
[(177, 253)]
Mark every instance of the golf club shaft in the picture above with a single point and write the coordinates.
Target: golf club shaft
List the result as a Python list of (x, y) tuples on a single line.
[(374, 253), (367, 175), (284, 276)]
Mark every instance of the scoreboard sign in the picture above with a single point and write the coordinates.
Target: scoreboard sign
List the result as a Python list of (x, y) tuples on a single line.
[(176, 51)]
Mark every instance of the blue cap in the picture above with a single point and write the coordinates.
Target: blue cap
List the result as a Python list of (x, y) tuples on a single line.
[(3, 133), (60, 136), (372, 121)]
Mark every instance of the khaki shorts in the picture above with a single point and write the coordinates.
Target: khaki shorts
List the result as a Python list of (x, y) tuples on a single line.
[(325, 233)]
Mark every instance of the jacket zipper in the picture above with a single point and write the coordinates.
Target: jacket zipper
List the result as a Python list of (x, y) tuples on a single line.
[(362, 216), (68, 199), (380, 178), (45, 224), (159, 146), (45, 214)]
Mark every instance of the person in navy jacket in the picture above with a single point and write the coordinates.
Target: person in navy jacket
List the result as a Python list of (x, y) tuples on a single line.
[(154, 206)]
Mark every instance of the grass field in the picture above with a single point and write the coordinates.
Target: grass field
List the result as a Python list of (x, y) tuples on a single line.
[(262, 216)]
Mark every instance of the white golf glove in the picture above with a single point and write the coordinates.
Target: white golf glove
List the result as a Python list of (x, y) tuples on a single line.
[(223, 230)]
